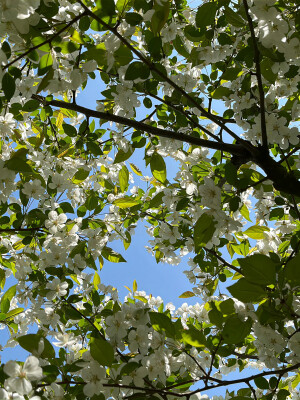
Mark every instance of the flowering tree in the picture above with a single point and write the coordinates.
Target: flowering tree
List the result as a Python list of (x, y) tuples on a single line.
[(220, 84)]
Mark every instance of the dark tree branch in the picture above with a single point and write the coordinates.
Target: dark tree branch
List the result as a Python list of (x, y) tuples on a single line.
[(235, 149), (15, 230), (259, 80), (282, 179), (223, 261)]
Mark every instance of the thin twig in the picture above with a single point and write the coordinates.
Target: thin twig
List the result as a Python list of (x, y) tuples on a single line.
[(152, 67), (259, 80), (45, 41), (236, 269)]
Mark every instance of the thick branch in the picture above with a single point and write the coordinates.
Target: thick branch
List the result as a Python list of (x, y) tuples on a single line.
[(259, 80), (234, 149), (282, 179)]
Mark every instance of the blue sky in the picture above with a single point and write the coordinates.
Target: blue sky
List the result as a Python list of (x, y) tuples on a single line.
[(163, 280)]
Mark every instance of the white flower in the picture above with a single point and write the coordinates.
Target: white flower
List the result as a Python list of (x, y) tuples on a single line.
[(33, 189), (7, 123), (21, 375), (4, 395), (93, 375), (65, 339), (210, 194), (55, 222), (57, 288)]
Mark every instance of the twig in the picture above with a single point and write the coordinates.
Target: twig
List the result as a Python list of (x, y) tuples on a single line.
[(259, 80), (14, 230), (152, 67), (45, 41), (236, 269)]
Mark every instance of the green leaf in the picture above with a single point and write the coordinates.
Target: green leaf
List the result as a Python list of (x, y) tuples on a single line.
[(203, 231), (291, 271), (193, 337), (156, 201), (14, 312), (106, 7), (261, 383), (235, 330), (160, 16), (123, 55), (111, 255), (135, 169), (187, 294), (102, 351), (246, 291), (221, 92), (18, 165), (158, 167), (80, 176), (31, 105), (231, 74), (133, 18), (31, 343), (137, 70), (91, 201), (256, 232), (45, 63), (122, 5), (192, 33), (233, 18), (123, 156), (126, 202), (124, 179), (6, 298), (69, 130), (45, 81), (266, 70), (245, 212), (206, 14), (231, 173), (2, 278), (97, 53), (258, 269), (161, 322), (8, 85), (215, 316), (282, 394)]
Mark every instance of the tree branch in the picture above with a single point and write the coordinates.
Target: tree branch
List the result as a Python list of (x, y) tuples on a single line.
[(14, 230), (45, 41), (152, 67), (236, 269), (282, 179), (185, 114), (235, 149), (248, 379), (259, 80)]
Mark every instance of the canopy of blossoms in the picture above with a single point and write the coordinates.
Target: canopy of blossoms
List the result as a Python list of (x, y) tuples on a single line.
[(217, 84)]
